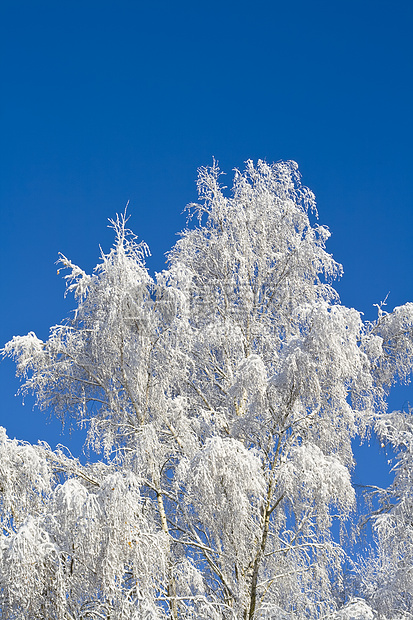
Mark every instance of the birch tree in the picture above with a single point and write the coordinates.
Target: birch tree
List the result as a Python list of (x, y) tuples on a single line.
[(387, 571), (222, 395)]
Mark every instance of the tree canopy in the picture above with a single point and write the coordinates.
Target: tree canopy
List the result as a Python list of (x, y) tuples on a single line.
[(222, 396)]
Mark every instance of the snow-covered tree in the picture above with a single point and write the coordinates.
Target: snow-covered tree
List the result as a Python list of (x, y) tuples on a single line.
[(223, 395), (387, 573)]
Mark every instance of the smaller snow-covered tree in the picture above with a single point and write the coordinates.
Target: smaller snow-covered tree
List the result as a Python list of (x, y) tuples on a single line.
[(387, 573)]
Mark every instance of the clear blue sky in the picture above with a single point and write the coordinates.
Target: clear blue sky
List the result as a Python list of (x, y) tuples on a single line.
[(104, 102)]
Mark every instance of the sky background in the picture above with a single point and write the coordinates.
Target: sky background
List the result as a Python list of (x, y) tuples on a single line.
[(105, 102)]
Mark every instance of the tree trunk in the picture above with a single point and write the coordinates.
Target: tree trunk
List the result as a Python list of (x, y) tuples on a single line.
[(173, 603)]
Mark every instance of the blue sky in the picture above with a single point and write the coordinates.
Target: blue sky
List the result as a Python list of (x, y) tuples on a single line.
[(104, 102)]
